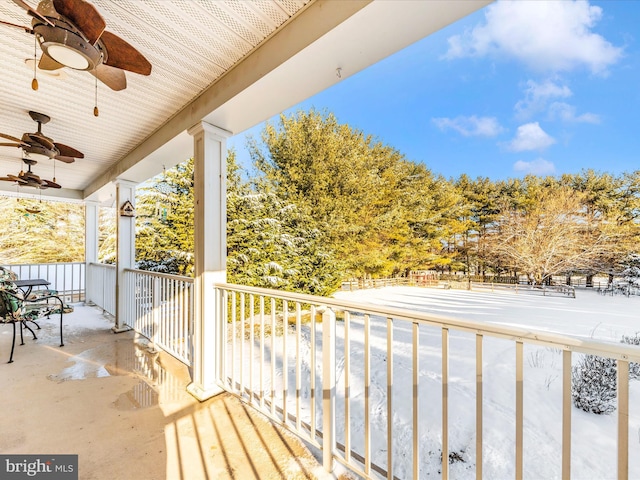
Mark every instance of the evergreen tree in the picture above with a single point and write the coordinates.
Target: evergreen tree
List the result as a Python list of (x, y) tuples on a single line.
[(270, 243), (382, 214), (481, 197), (273, 244), (164, 224)]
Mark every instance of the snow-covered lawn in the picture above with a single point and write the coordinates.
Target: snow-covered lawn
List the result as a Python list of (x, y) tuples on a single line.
[(589, 315)]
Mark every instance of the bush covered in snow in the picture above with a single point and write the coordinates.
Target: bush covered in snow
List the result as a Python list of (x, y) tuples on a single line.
[(594, 380), (594, 384), (634, 368), (631, 272)]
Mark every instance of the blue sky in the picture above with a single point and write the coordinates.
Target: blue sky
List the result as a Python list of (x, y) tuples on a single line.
[(518, 87)]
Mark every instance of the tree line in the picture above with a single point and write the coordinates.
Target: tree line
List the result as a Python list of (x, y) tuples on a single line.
[(36, 231), (324, 202)]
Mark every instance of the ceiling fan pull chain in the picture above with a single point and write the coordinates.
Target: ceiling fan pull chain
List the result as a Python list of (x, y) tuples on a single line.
[(34, 82), (95, 109)]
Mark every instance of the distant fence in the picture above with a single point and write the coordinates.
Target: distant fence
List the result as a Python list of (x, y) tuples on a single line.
[(619, 288), (67, 278), (544, 290), (461, 282), (509, 280), (365, 283)]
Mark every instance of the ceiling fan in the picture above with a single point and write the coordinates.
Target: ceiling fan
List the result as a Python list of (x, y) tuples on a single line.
[(71, 33), (36, 145), (30, 179)]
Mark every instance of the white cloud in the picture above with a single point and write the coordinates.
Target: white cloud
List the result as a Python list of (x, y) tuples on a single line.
[(530, 137), (567, 113), (545, 35), (539, 166), (538, 95), (472, 126)]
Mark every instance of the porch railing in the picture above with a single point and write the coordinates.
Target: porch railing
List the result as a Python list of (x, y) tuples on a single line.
[(363, 382), (67, 278), (101, 286), (375, 388), (161, 309)]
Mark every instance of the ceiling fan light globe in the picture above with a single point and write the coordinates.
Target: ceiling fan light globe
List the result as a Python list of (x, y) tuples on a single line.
[(36, 155), (67, 56)]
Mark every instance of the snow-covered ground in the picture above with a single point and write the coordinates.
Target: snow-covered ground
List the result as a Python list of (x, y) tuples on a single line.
[(589, 315)]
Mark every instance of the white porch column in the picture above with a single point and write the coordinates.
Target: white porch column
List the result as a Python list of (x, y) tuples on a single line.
[(91, 222), (210, 248), (125, 250)]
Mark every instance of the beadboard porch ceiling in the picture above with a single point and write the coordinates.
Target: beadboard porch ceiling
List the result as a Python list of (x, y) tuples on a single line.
[(232, 63)]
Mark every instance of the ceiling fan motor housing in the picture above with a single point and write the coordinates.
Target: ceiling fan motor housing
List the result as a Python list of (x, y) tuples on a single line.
[(66, 45), (37, 149)]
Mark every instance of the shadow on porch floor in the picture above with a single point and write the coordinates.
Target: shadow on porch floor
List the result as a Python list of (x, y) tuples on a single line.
[(126, 414)]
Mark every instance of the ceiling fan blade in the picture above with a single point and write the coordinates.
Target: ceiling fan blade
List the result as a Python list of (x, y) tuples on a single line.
[(49, 183), (48, 63), (45, 142), (66, 151), (26, 29), (121, 54), (13, 139), (15, 178), (33, 12), (112, 77), (10, 145), (6, 179), (84, 16), (64, 159)]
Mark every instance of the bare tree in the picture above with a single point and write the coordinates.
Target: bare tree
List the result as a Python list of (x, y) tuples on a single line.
[(552, 234)]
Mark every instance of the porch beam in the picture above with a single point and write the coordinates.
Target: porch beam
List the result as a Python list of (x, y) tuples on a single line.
[(210, 249)]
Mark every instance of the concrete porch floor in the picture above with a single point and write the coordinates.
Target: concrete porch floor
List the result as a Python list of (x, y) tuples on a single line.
[(126, 414)]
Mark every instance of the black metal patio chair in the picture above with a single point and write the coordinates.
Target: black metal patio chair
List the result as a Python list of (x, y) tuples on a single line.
[(14, 308)]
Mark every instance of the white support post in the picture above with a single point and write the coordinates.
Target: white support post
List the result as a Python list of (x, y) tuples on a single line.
[(210, 248), (91, 222), (126, 250)]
